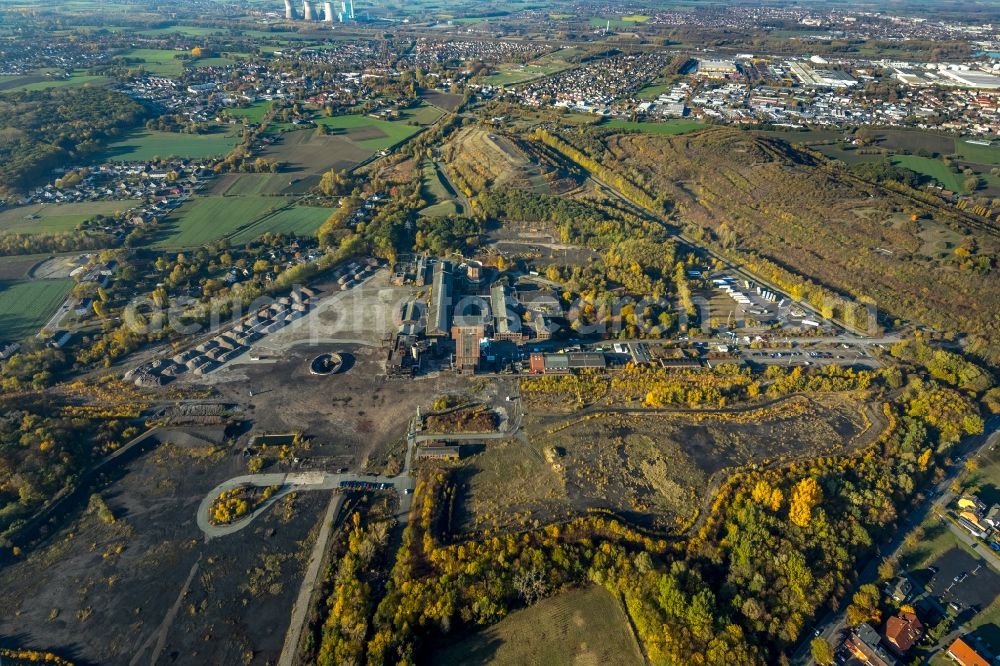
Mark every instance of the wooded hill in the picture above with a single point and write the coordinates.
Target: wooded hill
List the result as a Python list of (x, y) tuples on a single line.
[(803, 222), (43, 129)]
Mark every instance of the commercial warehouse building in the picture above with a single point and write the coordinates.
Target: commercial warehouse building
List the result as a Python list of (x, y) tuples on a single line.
[(971, 78), (439, 319), (564, 364), (716, 69)]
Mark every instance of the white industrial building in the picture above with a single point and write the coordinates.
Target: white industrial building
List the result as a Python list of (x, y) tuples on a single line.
[(821, 78), (971, 78)]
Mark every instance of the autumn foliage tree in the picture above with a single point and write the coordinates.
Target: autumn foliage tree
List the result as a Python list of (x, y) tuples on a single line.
[(821, 651), (864, 606), (767, 496), (805, 496)]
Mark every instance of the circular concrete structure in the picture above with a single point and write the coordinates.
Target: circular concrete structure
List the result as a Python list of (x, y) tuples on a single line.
[(326, 364)]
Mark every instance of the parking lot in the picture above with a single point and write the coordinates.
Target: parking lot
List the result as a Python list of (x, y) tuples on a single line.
[(963, 583), (825, 355), (741, 305)]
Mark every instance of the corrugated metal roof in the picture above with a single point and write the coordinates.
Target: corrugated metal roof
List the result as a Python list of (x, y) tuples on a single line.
[(586, 360), (438, 322)]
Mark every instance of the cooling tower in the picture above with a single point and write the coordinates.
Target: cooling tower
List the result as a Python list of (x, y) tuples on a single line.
[(328, 12), (307, 10), (289, 10)]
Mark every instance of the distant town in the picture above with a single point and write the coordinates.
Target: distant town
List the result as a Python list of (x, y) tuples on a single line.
[(565, 332)]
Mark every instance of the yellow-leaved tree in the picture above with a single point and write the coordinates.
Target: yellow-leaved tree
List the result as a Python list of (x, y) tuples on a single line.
[(805, 496), (765, 495)]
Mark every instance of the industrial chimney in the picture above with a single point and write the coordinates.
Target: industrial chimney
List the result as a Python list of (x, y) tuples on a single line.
[(307, 10), (289, 10)]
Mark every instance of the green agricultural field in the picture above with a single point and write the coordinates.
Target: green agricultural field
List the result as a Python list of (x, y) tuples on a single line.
[(189, 30), (217, 61), (585, 626), (931, 168), (31, 82), (253, 113), (511, 73), (678, 126), (274, 128), (205, 219), (283, 36), (425, 114), (596, 22), (550, 63), (978, 154), (149, 144), (653, 90), (298, 220), (55, 218), (162, 62), (26, 306), (369, 132), (992, 183), (249, 184)]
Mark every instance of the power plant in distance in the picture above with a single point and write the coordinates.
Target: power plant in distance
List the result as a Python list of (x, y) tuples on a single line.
[(311, 12)]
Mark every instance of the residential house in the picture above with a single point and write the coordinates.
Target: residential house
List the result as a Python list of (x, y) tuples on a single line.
[(865, 644), (903, 631), (901, 589), (965, 655)]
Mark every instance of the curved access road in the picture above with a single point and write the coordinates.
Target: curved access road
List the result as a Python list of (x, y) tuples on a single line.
[(294, 482)]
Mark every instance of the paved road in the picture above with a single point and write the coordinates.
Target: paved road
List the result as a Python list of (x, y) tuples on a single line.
[(304, 601), (403, 483), (53, 323), (295, 482), (462, 436), (837, 339), (833, 625)]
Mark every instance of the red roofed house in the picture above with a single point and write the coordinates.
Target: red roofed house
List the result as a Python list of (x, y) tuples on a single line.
[(965, 655), (903, 631)]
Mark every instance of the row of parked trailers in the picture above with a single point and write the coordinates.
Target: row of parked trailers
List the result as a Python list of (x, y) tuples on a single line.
[(727, 285), (730, 286)]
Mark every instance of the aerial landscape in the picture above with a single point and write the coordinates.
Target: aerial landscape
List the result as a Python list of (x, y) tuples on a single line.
[(530, 332)]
